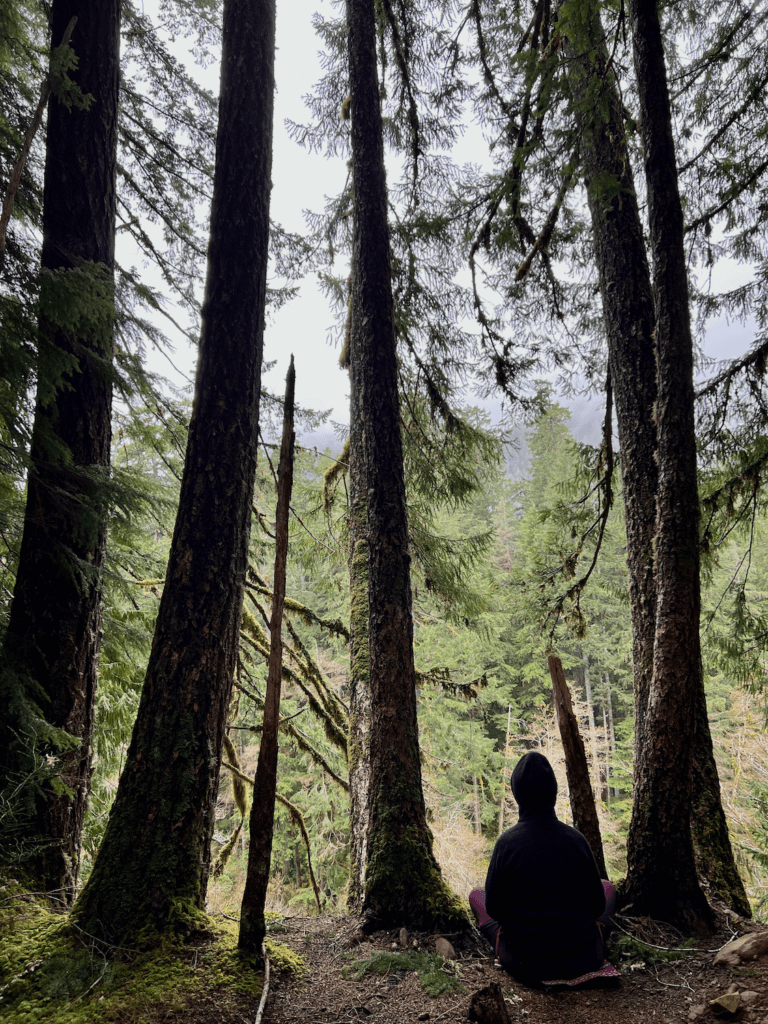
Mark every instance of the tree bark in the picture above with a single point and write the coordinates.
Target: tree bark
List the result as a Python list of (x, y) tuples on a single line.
[(152, 869), (504, 772), (55, 628), (629, 317), (661, 877), (403, 884), (359, 754), (711, 840), (607, 770), (582, 797), (253, 926), (595, 760)]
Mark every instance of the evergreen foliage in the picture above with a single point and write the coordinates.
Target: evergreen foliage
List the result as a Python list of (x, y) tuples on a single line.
[(494, 559)]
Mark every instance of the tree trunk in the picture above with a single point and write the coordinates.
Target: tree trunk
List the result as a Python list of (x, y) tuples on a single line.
[(504, 771), (478, 824), (253, 926), (581, 795), (661, 877), (595, 760), (358, 750), (628, 313), (712, 843), (297, 865), (54, 632), (606, 771), (403, 884), (152, 869)]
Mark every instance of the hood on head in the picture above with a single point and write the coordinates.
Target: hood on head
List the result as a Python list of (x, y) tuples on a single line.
[(534, 785)]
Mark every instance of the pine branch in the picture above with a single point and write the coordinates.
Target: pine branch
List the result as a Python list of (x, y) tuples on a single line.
[(18, 170)]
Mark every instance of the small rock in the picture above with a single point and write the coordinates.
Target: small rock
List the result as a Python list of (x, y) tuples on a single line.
[(697, 1011), (747, 947), (749, 997), (403, 936), (394, 946), (728, 1002), (444, 948)]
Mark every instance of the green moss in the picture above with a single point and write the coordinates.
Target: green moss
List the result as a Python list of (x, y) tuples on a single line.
[(434, 973), (285, 960), (403, 882), (50, 972), (627, 947), (358, 613)]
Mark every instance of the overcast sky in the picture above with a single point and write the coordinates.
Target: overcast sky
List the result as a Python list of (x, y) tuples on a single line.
[(301, 181)]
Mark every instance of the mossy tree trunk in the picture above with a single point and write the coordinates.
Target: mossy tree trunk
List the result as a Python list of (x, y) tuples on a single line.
[(358, 747), (711, 840), (662, 877), (54, 632), (629, 317), (152, 869), (403, 884)]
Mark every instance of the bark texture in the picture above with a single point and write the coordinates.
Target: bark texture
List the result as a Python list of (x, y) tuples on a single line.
[(55, 629), (403, 884), (152, 869), (253, 926), (629, 317), (358, 747), (711, 840), (662, 877), (580, 790)]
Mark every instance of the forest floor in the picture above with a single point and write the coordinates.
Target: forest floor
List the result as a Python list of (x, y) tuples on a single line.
[(325, 971), (652, 990)]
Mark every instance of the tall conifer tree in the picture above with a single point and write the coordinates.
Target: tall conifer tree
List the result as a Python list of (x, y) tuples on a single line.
[(662, 877), (152, 868), (628, 315), (403, 883), (54, 632)]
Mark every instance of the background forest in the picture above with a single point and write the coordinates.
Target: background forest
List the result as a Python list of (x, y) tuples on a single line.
[(485, 695), (517, 532)]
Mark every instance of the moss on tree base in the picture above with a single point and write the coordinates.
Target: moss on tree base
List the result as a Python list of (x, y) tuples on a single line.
[(403, 882)]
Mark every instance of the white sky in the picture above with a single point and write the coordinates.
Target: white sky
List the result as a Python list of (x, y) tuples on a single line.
[(301, 181)]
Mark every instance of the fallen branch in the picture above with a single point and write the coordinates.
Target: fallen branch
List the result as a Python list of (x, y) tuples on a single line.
[(265, 990)]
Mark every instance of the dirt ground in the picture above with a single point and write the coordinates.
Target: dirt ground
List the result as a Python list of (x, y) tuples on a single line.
[(661, 993)]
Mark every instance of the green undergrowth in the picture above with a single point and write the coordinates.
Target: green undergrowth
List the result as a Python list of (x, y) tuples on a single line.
[(627, 947), (434, 973), (49, 971)]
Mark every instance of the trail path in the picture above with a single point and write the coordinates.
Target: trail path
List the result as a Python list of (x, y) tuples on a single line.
[(677, 991)]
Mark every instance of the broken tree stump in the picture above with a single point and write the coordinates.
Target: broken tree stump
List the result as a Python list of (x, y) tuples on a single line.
[(580, 788), (487, 1006)]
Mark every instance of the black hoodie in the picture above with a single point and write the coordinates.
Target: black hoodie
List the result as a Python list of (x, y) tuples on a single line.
[(543, 886)]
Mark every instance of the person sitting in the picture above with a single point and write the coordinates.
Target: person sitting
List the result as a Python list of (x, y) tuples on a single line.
[(544, 909)]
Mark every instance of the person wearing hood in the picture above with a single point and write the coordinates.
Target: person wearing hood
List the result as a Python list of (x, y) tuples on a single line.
[(545, 909)]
